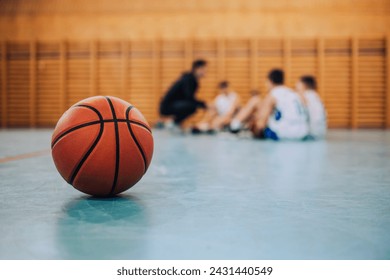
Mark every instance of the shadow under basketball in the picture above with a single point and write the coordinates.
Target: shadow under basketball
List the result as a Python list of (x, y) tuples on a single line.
[(97, 228)]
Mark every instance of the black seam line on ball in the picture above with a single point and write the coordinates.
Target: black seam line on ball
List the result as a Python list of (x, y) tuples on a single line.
[(73, 129), (117, 148), (93, 123), (84, 158), (135, 122), (134, 137)]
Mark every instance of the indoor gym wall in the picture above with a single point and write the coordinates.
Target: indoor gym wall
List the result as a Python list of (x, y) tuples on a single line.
[(41, 79)]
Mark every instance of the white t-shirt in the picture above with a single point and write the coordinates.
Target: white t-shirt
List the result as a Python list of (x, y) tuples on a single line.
[(224, 102), (317, 114), (289, 119)]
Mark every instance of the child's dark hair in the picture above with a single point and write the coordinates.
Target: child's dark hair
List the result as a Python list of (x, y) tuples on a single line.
[(276, 76), (198, 63), (223, 84), (309, 82)]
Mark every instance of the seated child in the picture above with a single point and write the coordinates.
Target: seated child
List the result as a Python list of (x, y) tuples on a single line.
[(220, 112), (282, 114), (306, 88)]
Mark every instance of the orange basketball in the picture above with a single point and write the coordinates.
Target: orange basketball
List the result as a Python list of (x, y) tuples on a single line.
[(102, 146)]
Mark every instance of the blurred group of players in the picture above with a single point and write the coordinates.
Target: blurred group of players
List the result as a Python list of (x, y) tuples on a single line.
[(282, 113)]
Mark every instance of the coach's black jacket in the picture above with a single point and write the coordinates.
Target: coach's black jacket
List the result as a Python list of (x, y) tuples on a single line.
[(183, 89)]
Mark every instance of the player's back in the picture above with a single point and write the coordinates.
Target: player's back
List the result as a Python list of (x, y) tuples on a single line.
[(317, 114), (289, 119)]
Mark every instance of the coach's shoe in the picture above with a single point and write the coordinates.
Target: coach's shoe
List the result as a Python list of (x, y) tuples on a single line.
[(211, 131), (159, 125), (196, 131), (174, 128)]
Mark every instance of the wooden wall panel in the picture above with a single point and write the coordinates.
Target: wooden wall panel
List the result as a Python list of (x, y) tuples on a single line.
[(48, 84), (237, 66), (371, 83), (173, 62), (269, 56), (202, 19), (3, 79), (337, 81), (18, 84), (387, 71), (40, 80), (136, 49), (141, 69), (109, 69), (78, 72), (303, 59)]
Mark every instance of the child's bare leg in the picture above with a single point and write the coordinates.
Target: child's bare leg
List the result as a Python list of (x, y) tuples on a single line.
[(245, 113), (207, 119), (220, 121), (247, 110), (264, 111)]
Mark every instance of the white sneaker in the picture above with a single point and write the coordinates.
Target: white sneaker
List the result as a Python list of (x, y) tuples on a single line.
[(235, 126), (169, 124), (175, 129)]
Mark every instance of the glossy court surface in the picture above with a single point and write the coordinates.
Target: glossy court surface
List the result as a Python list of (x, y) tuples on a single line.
[(205, 197)]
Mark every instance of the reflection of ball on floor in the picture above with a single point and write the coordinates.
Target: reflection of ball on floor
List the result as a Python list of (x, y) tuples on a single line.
[(102, 146), (123, 217)]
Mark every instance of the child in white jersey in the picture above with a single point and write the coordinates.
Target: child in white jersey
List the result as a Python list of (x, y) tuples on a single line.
[(282, 114), (306, 88), (220, 112)]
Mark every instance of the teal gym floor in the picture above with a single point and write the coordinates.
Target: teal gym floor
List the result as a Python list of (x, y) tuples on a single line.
[(205, 197)]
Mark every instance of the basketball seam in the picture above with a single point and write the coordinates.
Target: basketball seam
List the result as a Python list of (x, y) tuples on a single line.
[(117, 148), (58, 138), (135, 138), (71, 130), (84, 158), (135, 122)]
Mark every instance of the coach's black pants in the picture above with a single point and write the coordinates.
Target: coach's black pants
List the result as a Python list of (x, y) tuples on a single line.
[(180, 109)]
